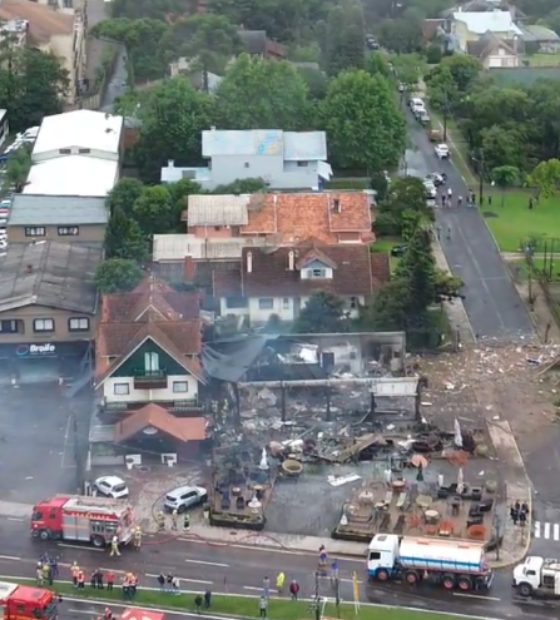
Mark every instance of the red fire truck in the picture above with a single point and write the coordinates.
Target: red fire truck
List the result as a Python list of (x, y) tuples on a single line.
[(26, 603), (82, 518)]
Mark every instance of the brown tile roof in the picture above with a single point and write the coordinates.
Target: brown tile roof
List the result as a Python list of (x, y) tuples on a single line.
[(357, 272), (153, 310), (295, 217), (182, 429), (44, 21)]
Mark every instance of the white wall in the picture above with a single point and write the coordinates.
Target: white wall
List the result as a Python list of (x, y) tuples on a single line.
[(161, 395), (283, 307)]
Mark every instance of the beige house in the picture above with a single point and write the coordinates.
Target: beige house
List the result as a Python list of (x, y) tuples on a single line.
[(495, 53), (463, 27), (58, 31)]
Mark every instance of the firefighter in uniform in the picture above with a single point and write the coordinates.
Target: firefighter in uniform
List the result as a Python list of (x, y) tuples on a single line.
[(186, 521), (75, 570), (115, 546), (138, 538), (174, 519), (160, 520)]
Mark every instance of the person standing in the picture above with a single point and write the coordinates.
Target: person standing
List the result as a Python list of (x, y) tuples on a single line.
[(294, 590), (263, 607), (186, 522), (280, 581), (174, 519), (138, 538), (114, 546), (207, 599), (110, 580)]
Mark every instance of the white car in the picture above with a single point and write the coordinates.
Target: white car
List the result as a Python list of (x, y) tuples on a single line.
[(185, 497), (431, 191), (442, 151), (111, 486)]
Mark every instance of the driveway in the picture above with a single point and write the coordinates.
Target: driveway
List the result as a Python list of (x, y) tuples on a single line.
[(492, 302)]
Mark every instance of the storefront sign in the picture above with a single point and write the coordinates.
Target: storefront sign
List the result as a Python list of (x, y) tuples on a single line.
[(36, 350)]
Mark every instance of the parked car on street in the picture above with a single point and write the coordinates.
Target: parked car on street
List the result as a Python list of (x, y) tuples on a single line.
[(437, 178), (111, 486), (442, 151), (430, 188), (182, 498)]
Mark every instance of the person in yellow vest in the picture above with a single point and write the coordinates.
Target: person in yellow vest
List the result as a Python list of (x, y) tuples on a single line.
[(75, 570), (160, 520), (280, 581), (174, 519), (114, 546), (138, 537)]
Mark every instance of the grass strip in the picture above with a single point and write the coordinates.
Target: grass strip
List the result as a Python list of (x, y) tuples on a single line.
[(240, 606)]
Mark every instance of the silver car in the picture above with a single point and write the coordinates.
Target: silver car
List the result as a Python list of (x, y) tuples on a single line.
[(182, 498)]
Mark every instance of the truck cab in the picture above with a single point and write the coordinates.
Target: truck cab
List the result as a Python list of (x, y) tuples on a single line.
[(26, 603), (537, 576), (382, 557)]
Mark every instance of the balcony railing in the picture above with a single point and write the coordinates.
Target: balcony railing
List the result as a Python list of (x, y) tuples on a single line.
[(149, 379)]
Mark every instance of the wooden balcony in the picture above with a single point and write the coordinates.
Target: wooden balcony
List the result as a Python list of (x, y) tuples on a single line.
[(149, 379)]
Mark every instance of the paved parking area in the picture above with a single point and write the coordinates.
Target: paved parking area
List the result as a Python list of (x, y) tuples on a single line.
[(37, 439)]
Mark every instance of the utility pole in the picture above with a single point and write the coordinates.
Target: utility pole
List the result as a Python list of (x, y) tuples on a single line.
[(481, 173), (445, 113)]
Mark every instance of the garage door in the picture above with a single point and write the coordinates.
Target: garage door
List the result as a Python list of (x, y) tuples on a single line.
[(38, 371)]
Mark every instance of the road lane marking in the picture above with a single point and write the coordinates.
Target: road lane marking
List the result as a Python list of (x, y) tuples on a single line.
[(547, 530), (83, 611), (201, 581), (80, 547), (14, 519), (556, 531), (207, 563), (9, 557), (537, 526), (485, 598), (254, 588)]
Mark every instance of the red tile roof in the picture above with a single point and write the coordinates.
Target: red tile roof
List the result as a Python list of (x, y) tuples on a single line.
[(182, 429), (357, 272), (293, 218)]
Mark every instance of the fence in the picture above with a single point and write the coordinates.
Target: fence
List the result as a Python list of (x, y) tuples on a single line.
[(541, 258)]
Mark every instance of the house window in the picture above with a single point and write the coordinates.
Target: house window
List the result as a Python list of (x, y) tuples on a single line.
[(78, 324), (35, 231), (180, 386), (266, 303), (151, 362), (43, 325), (317, 273), (236, 302), (84, 151), (302, 164), (354, 303), (9, 326), (246, 164), (65, 151), (286, 303), (68, 231), (121, 389)]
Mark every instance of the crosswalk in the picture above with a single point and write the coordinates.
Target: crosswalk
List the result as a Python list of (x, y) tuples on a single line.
[(548, 531)]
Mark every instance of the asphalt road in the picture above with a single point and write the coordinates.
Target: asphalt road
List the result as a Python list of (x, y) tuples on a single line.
[(492, 303), (241, 571)]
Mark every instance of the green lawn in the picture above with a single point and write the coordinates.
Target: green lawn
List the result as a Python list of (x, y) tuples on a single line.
[(544, 60), (386, 244), (514, 222), (246, 607)]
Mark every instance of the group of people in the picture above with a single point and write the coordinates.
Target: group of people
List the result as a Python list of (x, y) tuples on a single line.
[(447, 199), (518, 513), (160, 521), (47, 570)]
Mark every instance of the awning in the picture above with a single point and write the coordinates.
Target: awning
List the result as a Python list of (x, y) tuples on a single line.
[(324, 170)]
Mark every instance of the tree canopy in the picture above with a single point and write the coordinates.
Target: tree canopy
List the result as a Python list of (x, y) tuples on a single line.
[(323, 313), (365, 128), (118, 275)]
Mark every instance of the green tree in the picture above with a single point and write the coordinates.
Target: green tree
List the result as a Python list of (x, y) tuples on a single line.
[(153, 211), (262, 94), (172, 120), (502, 146), (365, 128), (123, 196), (118, 275), (545, 178), (377, 64), (345, 38), (180, 193), (147, 42), (32, 85), (17, 169), (322, 314), (152, 9), (242, 186), (504, 177), (209, 40), (401, 36), (123, 238), (380, 185), (408, 69)]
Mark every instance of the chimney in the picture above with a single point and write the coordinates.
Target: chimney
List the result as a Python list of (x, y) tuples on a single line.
[(190, 269), (336, 205), (28, 268), (291, 261), (249, 262), (171, 163)]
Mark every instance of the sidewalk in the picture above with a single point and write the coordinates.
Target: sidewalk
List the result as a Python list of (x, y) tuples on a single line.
[(516, 540), (16, 510), (455, 310), (221, 536)]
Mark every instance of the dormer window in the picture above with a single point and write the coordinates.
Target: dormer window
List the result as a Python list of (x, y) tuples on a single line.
[(318, 273)]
